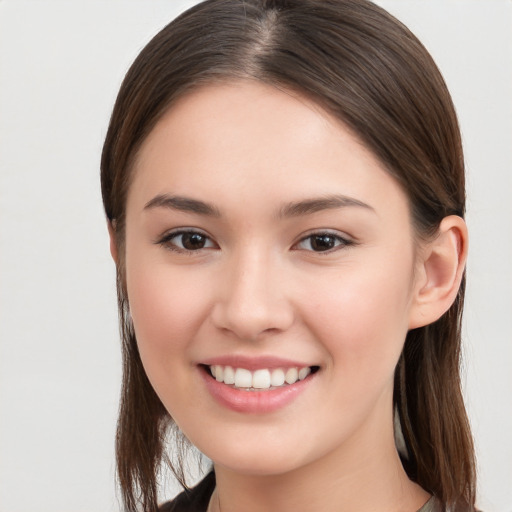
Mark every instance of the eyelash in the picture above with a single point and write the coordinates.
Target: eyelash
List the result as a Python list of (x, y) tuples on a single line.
[(166, 241), (340, 240)]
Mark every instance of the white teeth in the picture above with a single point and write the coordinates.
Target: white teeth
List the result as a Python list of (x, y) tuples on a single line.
[(259, 379), (291, 376), (303, 373), (229, 375), (277, 377), (243, 378)]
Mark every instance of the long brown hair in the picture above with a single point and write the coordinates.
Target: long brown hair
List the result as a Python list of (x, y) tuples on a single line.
[(367, 69)]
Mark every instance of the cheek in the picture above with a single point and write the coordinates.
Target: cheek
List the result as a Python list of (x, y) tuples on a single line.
[(167, 308), (362, 319)]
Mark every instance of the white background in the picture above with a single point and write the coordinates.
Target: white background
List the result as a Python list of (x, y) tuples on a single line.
[(61, 64)]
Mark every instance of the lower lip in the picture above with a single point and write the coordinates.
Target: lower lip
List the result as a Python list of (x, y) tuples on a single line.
[(256, 402)]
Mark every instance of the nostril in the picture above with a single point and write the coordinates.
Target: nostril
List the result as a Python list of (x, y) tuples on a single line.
[(250, 310)]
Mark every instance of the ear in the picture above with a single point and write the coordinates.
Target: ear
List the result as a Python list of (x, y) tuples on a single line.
[(113, 242), (440, 271)]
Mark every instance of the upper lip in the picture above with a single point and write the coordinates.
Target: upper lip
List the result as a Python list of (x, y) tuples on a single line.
[(254, 363)]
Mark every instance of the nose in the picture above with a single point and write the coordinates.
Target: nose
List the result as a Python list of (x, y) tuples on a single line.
[(252, 299)]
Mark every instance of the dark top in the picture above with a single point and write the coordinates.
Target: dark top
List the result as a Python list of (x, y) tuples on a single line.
[(197, 499), (193, 500)]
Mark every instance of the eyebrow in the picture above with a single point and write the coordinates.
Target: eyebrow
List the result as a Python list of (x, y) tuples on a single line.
[(309, 206), (183, 204), (293, 209)]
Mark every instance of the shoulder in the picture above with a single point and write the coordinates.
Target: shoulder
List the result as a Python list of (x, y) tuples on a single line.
[(435, 505), (192, 500)]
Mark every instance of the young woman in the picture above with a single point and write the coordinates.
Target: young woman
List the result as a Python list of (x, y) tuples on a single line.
[(284, 187)]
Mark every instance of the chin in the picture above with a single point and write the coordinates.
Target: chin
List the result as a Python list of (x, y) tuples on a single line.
[(257, 465), (257, 458)]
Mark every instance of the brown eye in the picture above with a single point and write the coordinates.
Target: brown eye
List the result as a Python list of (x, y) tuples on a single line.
[(187, 241), (193, 241), (322, 242)]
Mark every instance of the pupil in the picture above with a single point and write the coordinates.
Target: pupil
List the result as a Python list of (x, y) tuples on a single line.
[(322, 242), (192, 241)]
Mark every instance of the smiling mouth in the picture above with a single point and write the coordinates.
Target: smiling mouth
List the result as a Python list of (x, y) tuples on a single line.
[(263, 379)]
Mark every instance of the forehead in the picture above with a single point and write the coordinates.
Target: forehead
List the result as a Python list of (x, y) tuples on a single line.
[(256, 142), (234, 113)]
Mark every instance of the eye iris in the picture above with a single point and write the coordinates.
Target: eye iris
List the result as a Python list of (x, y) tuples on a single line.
[(323, 242), (193, 241)]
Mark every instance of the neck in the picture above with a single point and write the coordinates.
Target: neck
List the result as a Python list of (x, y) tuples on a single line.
[(363, 476)]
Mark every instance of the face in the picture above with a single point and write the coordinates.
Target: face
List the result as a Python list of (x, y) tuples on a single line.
[(270, 275)]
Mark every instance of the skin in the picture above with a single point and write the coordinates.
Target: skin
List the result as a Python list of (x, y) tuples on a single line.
[(258, 287)]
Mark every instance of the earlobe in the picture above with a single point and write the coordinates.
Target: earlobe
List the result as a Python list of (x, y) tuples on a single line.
[(441, 271), (113, 241)]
